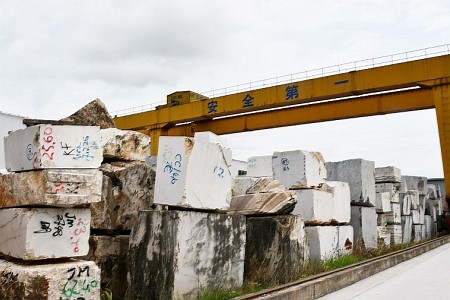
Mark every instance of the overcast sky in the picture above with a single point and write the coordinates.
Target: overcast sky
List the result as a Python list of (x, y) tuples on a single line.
[(57, 56)]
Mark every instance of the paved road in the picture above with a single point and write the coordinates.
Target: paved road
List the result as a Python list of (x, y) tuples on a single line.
[(424, 277)]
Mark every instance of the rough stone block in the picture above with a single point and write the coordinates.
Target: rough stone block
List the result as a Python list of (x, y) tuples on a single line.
[(428, 224), (406, 229), (192, 173), (323, 242), (415, 216), (53, 146), (359, 174), (381, 220), (267, 185), (391, 188), (56, 187), (418, 232), (395, 215), (110, 254), (417, 183), (345, 239), (421, 215), (396, 233), (24, 230), (388, 174), (193, 250), (276, 249), (124, 144), (242, 183), (260, 166), (93, 113), (384, 238), (340, 191), (364, 222), (264, 203), (415, 202), (405, 204), (211, 137), (383, 202), (128, 188), (74, 279), (315, 206), (299, 168), (433, 191)]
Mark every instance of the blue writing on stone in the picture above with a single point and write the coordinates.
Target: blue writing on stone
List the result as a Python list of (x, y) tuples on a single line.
[(285, 163), (172, 168)]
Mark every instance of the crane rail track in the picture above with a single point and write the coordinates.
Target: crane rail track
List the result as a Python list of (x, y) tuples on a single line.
[(384, 261)]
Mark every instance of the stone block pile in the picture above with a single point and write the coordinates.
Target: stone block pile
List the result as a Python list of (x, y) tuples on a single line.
[(359, 174), (390, 206), (45, 215)]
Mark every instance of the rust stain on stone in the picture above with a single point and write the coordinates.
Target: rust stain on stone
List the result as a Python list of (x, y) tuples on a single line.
[(189, 144), (348, 244)]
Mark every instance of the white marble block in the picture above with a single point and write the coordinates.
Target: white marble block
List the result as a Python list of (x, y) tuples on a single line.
[(260, 166), (383, 202), (299, 169), (192, 173), (53, 146), (384, 238), (418, 183), (75, 279), (213, 138), (405, 204), (359, 174), (395, 215), (345, 239), (415, 216), (396, 233), (391, 188), (242, 183), (315, 206), (323, 242), (193, 251), (364, 222), (55, 187), (340, 191), (406, 229), (428, 224), (418, 232), (124, 144), (388, 174), (43, 233), (414, 196)]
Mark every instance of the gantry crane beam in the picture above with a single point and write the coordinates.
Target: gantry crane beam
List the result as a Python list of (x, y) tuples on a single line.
[(247, 110), (336, 110)]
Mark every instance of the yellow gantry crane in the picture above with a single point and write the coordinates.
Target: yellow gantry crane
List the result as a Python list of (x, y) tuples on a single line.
[(400, 87)]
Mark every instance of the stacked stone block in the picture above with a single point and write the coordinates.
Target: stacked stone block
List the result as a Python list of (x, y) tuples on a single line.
[(44, 212), (390, 206), (359, 174)]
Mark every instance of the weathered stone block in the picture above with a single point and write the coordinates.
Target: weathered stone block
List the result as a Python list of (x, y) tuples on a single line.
[(192, 250), (56, 187), (418, 232), (276, 249), (213, 138), (264, 203), (415, 216), (323, 242), (405, 204), (340, 200), (192, 173), (241, 184), (75, 279), (110, 254), (381, 219), (315, 206), (384, 238), (395, 215), (391, 188), (433, 191), (421, 215), (396, 233), (406, 229), (128, 188), (383, 202), (299, 168), (266, 185), (388, 174), (124, 144), (53, 146), (359, 174), (415, 202), (417, 183), (345, 239), (428, 224), (364, 222), (260, 166), (93, 113), (65, 232)]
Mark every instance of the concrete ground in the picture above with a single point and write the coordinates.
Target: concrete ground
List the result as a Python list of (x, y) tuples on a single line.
[(424, 277)]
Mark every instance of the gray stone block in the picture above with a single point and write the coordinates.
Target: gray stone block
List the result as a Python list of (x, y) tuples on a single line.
[(364, 222), (407, 229), (388, 174)]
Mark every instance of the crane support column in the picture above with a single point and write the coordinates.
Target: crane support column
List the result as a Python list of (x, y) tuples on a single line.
[(155, 132), (442, 105)]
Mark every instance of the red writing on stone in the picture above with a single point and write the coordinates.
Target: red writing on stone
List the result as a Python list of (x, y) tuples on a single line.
[(48, 143)]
